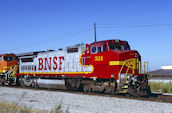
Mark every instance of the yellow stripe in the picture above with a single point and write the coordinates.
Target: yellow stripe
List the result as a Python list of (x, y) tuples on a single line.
[(129, 63), (84, 65), (54, 72), (1, 71), (8, 67), (111, 63)]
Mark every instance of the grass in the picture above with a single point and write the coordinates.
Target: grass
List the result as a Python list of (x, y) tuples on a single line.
[(15, 108), (57, 109), (12, 108), (162, 87)]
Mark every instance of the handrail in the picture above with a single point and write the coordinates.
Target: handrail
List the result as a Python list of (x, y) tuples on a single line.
[(11, 72), (130, 64), (122, 67)]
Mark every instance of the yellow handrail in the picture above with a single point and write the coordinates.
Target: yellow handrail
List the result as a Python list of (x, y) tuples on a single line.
[(131, 64), (14, 71), (122, 67), (128, 68), (139, 67)]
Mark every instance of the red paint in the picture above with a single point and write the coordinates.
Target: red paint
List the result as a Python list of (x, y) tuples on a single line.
[(60, 60), (40, 62), (55, 63), (47, 63)]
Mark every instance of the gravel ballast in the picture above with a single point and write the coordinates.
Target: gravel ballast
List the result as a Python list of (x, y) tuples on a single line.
[(77, 103)]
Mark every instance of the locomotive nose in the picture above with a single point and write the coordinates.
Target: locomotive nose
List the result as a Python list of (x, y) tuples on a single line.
[(130, 61), (131, 54)]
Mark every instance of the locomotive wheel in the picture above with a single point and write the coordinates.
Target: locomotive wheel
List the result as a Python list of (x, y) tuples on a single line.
[(22, 83), (133, 91), (2, 81), (10, 81), (18, 83), (86, 88), (81, 87), (109, 89), (145, 92), (139, 92), (68, 85)]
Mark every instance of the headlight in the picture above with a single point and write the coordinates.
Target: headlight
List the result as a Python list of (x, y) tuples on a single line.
[(135, 79), (122, 76)]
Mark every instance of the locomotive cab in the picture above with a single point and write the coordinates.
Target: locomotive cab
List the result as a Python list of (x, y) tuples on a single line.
[(123, 65), (103, 46), (7, 62), (113, 55), (8, 68)]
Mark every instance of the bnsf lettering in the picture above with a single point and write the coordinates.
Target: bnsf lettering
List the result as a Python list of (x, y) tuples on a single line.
[(47, 63), (60, 58), (40, 60), (55, 63)]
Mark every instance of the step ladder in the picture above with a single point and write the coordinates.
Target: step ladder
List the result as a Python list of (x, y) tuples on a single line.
[(123, 85), (123, 82), (10, 76)]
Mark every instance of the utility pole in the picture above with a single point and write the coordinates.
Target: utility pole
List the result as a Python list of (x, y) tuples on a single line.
[(144, 67), (146, 63), (95, 31)]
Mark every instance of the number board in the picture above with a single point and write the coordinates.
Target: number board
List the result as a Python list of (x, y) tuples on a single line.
[(98, 58)]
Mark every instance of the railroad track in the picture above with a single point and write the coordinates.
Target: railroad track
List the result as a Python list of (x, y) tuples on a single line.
[(154, 97)]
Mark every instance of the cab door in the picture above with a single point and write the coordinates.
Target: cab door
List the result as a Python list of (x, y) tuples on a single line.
[(99, 59)]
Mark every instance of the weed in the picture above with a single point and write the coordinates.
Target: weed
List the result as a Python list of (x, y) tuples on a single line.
[(57, 109), (9, 108), (162, 87)]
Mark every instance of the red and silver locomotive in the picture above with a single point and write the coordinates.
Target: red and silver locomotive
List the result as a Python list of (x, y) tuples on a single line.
[(105, 66)]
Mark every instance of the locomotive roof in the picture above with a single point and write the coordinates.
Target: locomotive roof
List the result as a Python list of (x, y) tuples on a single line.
[(104, 41), (7, 54), (29, 53), (77, 45)]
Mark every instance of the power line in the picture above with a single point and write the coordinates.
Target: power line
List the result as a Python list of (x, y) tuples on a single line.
[(89, 27), (68, 35), (132, 26)]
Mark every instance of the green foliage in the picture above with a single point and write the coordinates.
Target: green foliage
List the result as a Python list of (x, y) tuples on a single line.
[(57, 109), (162, 87), (15, 108), (12, 108), (25, 110), (67, 110)]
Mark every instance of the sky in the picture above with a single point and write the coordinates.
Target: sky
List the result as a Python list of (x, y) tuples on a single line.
[(34, 25)]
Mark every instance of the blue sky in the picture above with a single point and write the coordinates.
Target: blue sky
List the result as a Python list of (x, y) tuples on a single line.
[(33, 25)]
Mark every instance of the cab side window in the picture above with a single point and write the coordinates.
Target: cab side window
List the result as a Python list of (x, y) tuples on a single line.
[(104, 48), (14, 58), (0, 58), (6, 58), (93, 49), (100, 49)]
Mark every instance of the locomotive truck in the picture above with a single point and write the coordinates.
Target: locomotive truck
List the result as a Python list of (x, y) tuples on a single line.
[(108, 66)]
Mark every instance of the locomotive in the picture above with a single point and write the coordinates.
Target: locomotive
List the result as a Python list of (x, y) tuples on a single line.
[(108, 66)]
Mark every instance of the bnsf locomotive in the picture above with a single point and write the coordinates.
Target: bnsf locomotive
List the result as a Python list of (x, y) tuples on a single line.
[(105, 66)]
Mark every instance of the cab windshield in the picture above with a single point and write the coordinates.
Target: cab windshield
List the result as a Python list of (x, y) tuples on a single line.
[(6, 58), (118, 47)]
